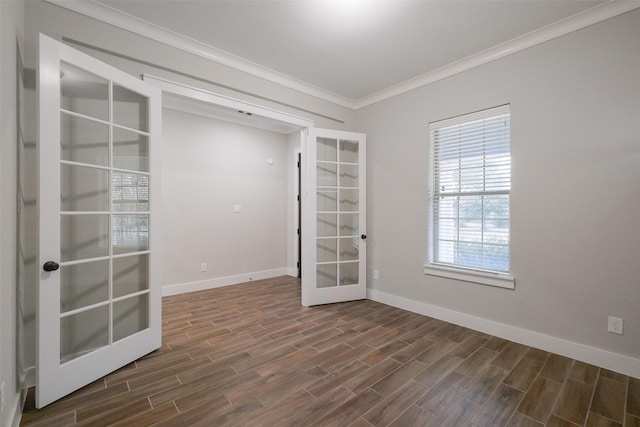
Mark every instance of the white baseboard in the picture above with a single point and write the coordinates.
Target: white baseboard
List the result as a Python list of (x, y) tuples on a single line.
[(613, 361), (28, 379), (201, 285), (292, 271), (17, 412)]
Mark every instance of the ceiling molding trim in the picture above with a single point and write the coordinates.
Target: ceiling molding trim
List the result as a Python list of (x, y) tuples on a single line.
[(154, 32), (568, 25), (157, 33)]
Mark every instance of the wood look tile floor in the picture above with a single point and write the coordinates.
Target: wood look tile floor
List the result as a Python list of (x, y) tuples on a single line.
[(251, 355)]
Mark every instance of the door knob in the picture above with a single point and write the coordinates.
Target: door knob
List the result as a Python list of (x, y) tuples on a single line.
[(364, 236), (50, 266)]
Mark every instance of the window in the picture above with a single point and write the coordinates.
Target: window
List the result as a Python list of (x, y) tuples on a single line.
[(130, 195), (469, 187)]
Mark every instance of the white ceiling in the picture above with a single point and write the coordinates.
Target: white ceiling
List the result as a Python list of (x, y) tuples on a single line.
[(351, 49)]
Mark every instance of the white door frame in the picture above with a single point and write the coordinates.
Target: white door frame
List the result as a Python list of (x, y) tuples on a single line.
[(307, 131), (296, 122), (192, 92)]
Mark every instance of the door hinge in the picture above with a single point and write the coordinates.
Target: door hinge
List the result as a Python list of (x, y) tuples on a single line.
[(298, 197), (298, 231), (298, 165), (298, 264)]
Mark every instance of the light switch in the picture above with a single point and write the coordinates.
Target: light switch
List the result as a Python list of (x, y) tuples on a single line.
[(237, 208)]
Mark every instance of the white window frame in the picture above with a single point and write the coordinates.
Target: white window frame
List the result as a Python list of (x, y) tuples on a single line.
[(453, 271)]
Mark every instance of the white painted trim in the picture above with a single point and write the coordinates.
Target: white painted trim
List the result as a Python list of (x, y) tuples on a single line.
[(483, 278), (154, 32), (192, 92), (596, 356), (143, 28), (29, 377), (218, 282), (17, 411), (293, 272), (558, 29)]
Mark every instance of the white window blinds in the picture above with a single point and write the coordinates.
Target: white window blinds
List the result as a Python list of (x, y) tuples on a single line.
[(469, 191)]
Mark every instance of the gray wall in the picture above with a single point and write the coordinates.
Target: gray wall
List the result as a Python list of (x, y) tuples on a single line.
[(575, 135), (208, 166), (11, 33)]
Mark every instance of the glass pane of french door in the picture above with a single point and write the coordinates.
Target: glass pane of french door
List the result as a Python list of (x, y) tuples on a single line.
[(337, 212), (104, 212)]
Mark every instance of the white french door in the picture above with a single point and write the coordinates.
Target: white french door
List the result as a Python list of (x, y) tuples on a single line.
[(334, 217), (99, 299)]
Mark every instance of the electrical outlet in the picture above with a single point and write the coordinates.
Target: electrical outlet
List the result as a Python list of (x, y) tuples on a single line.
[(203, 267), (616, 325), (376, 275)]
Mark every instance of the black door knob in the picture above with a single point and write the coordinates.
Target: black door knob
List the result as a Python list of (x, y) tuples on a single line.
[(364, 236), (50, 266)]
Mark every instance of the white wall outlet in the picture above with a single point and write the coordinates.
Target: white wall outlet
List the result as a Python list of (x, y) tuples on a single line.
[(203, 267), (616, 325), (237, 208), (376, 275)]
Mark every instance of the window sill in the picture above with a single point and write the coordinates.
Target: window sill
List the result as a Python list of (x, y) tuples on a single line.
[(484, 278)]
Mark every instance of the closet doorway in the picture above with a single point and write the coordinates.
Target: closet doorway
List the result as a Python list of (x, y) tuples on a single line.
[(231, 188), (330, 252)]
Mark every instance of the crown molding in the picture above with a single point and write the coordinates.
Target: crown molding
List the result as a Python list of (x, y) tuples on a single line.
[(125, 21), (560, 28), (154, 32)]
